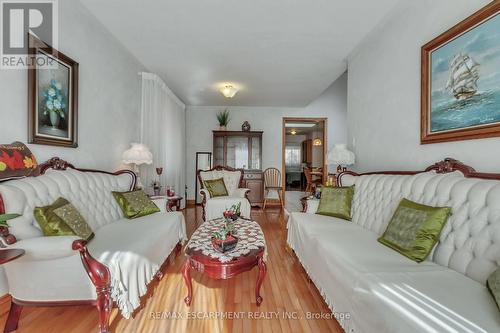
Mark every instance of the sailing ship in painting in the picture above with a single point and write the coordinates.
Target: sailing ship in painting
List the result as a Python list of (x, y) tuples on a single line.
[(464, 74)]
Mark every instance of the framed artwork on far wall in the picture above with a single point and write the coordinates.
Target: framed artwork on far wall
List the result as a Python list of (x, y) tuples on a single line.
[(461, 80), (52, 96)]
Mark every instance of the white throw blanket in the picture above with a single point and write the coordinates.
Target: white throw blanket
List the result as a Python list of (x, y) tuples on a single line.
[(133, 251)]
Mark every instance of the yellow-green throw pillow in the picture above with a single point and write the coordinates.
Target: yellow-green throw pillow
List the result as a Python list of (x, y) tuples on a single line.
[(493, 284), (72, 217), (62, 219), (51, 224), (135, 204), (216, 187), (336, 202), (414, 229)]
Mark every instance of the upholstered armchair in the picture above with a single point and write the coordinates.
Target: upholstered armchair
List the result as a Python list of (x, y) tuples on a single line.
[(213, 207)]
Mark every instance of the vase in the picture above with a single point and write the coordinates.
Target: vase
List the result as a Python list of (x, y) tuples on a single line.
[(245, 127), (222, 128), (54, 119)]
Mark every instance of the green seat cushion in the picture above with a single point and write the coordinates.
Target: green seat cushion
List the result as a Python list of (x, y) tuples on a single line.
[(62, 219), (336, 202), (135, 204), (216, 187), (414, 229), (493, 284)]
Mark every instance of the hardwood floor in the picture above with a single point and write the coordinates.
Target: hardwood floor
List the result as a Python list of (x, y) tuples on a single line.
[(288, 297)]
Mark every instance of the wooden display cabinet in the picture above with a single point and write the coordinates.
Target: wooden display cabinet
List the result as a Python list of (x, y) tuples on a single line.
[(242, 150)]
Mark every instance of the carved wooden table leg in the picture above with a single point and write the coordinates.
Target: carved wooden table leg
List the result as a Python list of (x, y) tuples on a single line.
[(13, 318), (187, 278), (260, 279)]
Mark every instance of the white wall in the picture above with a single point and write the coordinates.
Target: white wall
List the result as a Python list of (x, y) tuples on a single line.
[(200, 121), (109, 96), (384, 92)]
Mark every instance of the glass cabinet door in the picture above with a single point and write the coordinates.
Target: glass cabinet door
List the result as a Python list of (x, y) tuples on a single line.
[(256, 147), (237, 152), (219, 150)]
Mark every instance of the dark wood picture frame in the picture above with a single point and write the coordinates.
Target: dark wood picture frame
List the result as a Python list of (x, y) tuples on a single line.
[(36, 47), (466, 133)]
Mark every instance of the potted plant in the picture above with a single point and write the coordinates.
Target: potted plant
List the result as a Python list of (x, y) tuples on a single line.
[(223, 119), (5, 217), (224, 239)]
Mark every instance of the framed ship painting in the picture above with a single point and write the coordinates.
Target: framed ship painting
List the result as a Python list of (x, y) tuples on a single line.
[(52, 96), (461, 80)]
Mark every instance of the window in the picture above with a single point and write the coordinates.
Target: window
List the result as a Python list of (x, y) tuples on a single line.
[(292, 157)]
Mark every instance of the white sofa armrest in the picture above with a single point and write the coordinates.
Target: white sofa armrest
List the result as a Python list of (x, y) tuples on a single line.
[(45, 248), (205, 193), (161, 203), (240, 192)]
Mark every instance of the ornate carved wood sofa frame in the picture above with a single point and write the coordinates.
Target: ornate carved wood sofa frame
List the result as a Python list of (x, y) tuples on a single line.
[(242, 192), (445, 166), (98, 273)]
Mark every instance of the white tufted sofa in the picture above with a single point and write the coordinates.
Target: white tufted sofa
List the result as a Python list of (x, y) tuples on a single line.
[(233, 179), (372, 288), (118, 263)]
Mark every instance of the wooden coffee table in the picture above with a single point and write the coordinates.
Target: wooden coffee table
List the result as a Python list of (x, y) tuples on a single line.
[(215, 269), (7, 255)]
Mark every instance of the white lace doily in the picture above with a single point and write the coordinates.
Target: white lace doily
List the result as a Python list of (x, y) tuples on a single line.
[(249, 233)]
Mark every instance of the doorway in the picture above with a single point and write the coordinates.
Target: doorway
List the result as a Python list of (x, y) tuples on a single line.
[(304, 152)]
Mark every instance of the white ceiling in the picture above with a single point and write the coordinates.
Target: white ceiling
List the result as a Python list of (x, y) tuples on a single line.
[(278, 52)]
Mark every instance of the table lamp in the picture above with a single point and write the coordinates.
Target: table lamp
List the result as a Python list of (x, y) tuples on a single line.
[(341, 156), (137, 154)]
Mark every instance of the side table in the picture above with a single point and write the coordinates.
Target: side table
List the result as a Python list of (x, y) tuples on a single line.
[(173, 203)]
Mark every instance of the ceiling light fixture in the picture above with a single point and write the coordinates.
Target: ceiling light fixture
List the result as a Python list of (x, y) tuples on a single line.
[(293, 132), (317, 142), (228, 91)]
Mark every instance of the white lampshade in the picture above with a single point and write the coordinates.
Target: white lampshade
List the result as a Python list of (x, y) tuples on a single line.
[(137, 154), (340, 155)]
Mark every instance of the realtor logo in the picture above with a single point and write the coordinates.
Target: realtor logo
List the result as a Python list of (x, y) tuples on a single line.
[(20, 18)]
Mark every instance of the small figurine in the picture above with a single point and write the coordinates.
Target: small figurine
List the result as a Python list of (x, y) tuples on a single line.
[(246, 126)]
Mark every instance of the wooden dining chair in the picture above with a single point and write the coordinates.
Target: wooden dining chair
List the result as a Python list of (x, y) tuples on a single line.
[(311, 183), (272, 182)]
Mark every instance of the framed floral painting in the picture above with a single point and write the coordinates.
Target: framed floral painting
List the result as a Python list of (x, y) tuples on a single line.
[(461, 80), (52, 96)]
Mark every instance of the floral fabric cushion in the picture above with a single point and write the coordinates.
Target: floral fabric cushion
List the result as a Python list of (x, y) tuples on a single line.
[(414, 229), (17, 161), (216, 187), (336, 202), (62, 219), (135, 203)]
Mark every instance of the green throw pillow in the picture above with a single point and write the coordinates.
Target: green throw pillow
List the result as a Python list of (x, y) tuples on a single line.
[(216, 187), (414, 229), (135, 204), (336, 202), (493, 284), (62, 219)]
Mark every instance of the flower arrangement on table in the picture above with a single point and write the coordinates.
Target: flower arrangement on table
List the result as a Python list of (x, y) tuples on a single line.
[(55, 103), (224, 239), (5, 217)]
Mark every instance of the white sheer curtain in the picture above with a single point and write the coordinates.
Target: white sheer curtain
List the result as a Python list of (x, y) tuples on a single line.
[(163, 125)]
